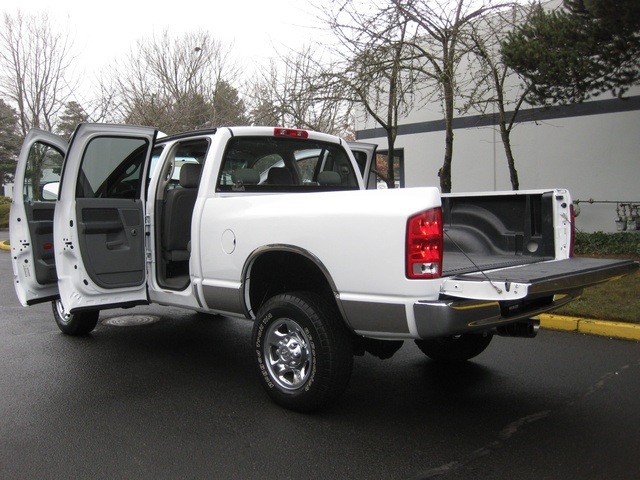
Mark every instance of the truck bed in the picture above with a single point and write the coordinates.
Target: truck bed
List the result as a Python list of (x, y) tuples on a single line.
[(497, 231), (510, 238)]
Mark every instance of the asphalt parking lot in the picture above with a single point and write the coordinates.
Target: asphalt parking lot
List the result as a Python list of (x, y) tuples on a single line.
[(175, 396)]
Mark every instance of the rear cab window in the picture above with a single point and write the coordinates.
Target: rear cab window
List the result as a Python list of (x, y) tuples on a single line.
[(274, 164)]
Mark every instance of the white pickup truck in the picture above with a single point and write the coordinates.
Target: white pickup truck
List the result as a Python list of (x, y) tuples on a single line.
[(276, 226)]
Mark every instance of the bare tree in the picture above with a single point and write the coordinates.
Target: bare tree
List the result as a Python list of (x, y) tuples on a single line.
[(292, 92), (36, 64), (497, 83), (440, 47), (315, 103), (374, 66), (266, 99), (176, 84)]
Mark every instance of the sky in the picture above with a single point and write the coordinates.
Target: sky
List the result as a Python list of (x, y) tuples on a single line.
[(105, 30)]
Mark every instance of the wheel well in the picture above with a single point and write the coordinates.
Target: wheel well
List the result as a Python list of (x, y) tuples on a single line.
[(278, 272)]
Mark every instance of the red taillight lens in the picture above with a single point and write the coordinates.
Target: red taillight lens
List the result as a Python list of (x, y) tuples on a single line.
[(290, 132), (424, 245), (573, 229)]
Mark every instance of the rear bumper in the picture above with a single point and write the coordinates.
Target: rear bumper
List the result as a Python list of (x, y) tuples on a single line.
[(455, 317)]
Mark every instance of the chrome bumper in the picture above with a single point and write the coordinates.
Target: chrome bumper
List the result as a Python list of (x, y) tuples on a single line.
[(455, 317)]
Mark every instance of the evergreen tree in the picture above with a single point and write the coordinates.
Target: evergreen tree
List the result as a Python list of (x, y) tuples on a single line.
[(229, 107), (583, 50), (73, 115), (10, 142)]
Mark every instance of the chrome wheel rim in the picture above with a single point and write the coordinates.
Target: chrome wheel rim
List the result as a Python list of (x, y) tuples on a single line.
[(63, 316), (288, 354)]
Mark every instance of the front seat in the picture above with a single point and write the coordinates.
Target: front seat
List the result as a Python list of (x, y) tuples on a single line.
[(178, 210)]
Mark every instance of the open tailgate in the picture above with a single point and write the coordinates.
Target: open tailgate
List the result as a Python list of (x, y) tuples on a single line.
[(543, 278)]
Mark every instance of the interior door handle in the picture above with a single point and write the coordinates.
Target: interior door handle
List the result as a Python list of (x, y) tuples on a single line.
[(114, 244)]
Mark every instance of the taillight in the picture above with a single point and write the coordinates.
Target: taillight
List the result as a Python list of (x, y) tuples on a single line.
[(424, 248), (572, 215), (290, 132)]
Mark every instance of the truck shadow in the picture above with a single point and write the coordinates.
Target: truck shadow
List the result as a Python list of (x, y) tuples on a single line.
[(203, 354)]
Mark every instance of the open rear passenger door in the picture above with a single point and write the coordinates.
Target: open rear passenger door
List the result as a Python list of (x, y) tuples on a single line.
[(36, 181), (99, 222), (365, 155)]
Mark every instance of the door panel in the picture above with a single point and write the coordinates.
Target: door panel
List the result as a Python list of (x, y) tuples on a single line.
[(32, 211), (99, 223), (40, 217), (112, 241)]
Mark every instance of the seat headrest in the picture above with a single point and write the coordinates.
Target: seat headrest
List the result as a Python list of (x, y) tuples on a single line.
[(279, 176), (190, 175), (329, 178), (245, 176)]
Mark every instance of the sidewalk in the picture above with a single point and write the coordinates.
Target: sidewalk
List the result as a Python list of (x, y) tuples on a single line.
[(626, 331)]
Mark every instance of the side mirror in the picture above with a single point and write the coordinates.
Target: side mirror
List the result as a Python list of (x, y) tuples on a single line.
[(50, 191)]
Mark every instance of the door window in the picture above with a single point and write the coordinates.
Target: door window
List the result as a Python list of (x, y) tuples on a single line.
[(112, 168), (42, 175)]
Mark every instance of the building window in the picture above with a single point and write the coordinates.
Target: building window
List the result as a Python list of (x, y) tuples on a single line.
[(398, 167)]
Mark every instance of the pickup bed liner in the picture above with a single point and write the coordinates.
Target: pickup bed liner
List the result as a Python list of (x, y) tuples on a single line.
[(457, 263)]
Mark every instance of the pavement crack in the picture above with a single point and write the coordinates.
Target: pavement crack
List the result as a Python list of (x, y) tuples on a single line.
[(503, 437), (511, 429), (514, 427), (601, 382)]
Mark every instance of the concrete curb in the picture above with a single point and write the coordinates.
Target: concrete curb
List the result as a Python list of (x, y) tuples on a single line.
[(626, 331)]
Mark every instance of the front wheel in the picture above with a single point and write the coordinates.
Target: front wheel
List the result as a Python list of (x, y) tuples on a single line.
[(455, 348), (74, 323), (303, 351)]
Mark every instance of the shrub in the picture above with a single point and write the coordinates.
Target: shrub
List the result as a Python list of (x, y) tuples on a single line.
[(4, 214), (600, 243)]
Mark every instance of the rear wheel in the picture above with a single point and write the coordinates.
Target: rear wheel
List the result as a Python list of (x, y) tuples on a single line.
[(74, 323), (455, 348), (303, 351)]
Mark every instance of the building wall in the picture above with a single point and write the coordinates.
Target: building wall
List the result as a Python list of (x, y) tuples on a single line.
[(593, 149)]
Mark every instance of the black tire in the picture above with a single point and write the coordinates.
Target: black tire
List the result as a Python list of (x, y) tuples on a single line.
[(454, 349), (303, 351), (74, 323)]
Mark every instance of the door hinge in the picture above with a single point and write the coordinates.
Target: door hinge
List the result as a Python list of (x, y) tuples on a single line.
[(148, 254)]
